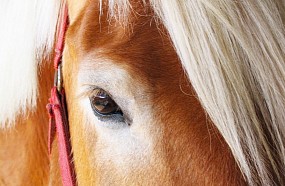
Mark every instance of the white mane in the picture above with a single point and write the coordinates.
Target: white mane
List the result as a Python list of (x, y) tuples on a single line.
[(234, 55), (26, 27)]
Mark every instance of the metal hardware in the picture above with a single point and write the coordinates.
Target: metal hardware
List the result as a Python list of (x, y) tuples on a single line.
[(58, 78)]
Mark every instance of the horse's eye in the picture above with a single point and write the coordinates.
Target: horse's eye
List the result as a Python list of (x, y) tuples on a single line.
[(103, 104)]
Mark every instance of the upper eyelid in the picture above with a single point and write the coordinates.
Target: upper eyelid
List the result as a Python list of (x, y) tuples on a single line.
[(87, 90)]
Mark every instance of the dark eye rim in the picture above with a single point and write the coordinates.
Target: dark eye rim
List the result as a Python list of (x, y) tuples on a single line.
[(117, 115)]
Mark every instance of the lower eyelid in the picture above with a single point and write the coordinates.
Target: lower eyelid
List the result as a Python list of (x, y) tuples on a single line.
[(118, 118)]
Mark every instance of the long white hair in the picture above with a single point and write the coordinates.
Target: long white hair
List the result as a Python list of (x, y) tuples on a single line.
[(234, 55), (26, 33)]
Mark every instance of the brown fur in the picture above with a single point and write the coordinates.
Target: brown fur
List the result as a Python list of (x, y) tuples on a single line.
[(23, 155), (192, 151)]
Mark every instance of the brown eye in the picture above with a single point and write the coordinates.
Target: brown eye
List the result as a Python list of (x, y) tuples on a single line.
[(103, 104)]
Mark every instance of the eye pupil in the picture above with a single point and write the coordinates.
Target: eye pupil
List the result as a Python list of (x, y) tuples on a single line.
[(103, 104)]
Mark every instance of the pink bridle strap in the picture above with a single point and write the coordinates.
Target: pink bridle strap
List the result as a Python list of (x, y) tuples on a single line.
[(58, 120), (58, 125), (60, 35)]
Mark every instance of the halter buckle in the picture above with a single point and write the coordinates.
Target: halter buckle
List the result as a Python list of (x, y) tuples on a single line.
[(58, 78)]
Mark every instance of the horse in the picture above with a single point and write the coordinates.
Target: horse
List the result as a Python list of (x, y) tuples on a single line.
[(158, 92)]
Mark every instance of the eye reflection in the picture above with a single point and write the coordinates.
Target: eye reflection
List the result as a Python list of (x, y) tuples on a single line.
[(103, 104)]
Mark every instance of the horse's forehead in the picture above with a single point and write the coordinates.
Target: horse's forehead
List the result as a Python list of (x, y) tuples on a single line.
[(140, 46)]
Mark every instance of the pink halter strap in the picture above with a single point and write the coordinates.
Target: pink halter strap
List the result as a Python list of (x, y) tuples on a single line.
[(58, 120)]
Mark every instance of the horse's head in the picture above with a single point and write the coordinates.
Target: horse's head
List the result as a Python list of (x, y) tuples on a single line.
[(158, 92), (134, 117)]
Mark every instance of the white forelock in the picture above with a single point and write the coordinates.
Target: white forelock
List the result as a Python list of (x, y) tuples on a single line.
[(233, 53), (27, 31)]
